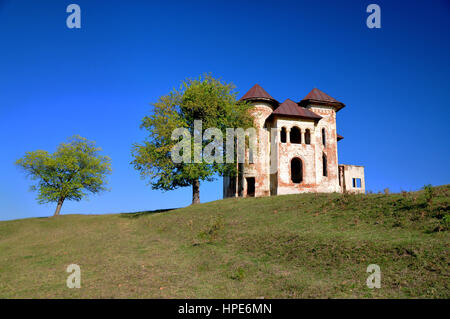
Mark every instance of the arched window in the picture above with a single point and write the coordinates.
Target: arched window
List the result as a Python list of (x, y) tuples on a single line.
[(324, 137), (283, 135), (324, 165), (295, 135), (296, 170), (307, 136)]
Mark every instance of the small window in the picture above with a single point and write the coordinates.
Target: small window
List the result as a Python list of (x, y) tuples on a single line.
[(356, 182), (324, 142), (296, 170), (324, 165), (283, 135), (295, 135), (307, 137)]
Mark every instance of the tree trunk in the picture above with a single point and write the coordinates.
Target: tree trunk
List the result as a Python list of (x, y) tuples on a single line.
[(196, 192), (58, 207)]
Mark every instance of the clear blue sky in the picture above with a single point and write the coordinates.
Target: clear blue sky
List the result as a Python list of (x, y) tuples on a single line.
[(98, 81)]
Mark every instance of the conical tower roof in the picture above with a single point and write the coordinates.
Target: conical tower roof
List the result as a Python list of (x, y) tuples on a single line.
[(257, 93), (316, 96)]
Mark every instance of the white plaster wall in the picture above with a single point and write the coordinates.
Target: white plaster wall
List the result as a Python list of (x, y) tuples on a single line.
[(354, 171)]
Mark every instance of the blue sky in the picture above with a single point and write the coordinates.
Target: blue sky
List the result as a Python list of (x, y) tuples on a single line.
[(98, 81)]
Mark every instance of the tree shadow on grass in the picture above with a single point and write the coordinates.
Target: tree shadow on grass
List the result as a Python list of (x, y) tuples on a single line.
[(409, 206), (145, 213)]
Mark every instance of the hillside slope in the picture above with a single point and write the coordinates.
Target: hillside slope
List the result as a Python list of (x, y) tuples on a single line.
[(293, 246)]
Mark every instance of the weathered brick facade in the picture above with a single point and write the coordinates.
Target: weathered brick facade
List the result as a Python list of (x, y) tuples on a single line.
[(301, 155)]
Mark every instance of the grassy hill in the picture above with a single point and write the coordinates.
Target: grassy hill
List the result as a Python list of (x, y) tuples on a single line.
[(293, 246)]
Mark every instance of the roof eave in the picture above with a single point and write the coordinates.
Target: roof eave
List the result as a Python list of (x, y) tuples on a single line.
[(316, 119), (261, 99), (337, 105)]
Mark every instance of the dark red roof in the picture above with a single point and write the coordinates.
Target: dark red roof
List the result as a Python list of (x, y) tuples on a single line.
[(290, 108), (319, 97), (258, 93)]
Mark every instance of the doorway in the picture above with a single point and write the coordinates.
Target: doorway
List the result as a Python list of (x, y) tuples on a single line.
[(296, 170), (250, 186)]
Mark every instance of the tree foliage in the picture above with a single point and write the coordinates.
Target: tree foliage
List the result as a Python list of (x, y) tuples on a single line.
[(204, 98), (71, 173)]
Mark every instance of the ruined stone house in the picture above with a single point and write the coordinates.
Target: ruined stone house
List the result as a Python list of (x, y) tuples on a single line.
[(303, 149)]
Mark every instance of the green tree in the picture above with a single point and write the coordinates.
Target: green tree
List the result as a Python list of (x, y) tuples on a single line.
[(205, 98), (73, 171), (429, 193)]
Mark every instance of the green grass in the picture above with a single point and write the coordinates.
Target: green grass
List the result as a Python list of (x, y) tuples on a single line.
[(293, 246)]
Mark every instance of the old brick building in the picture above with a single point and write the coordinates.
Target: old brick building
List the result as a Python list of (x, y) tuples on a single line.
[(297, 149)]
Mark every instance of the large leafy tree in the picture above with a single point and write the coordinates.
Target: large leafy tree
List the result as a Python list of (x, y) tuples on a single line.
[(71, 173), (204, 98)]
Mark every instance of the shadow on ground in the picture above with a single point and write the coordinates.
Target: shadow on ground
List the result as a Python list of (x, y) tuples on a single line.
[(144, 213)]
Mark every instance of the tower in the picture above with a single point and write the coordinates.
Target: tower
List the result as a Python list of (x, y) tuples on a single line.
[(326, 138)]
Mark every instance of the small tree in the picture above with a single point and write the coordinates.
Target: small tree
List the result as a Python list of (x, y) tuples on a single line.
[(206, 99), (73, 171), (429, 193)]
